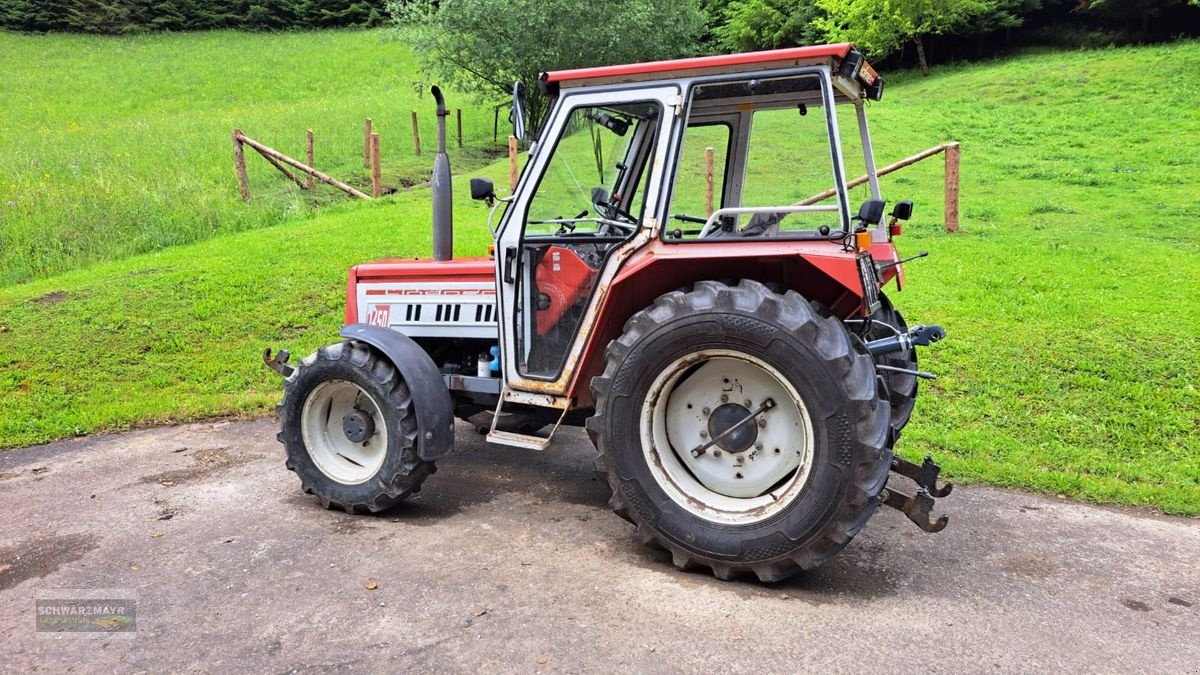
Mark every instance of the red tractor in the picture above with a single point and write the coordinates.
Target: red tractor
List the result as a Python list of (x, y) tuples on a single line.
[(732, 355)]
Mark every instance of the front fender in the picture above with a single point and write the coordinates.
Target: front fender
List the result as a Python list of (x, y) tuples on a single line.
[(430, 397)]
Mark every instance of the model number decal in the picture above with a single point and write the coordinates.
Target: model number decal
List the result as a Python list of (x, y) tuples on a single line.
[(380, 315)]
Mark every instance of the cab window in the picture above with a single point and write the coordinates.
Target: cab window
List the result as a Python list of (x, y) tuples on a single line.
[(778, 156)]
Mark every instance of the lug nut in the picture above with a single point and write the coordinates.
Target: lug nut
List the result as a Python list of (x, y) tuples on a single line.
[(703, 434), (716, 453), (706, 412), (724, 398), (762, 422), (758, 445), (748, 404)]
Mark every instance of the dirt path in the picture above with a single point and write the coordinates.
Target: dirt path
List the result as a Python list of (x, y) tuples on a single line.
[(511, 560)]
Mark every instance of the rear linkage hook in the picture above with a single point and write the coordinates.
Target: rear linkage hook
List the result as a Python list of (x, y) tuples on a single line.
[(279, 363), (917, 507)]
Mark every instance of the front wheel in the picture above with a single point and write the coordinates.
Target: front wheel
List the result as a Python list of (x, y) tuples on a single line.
[(741, 430), (349, 428)]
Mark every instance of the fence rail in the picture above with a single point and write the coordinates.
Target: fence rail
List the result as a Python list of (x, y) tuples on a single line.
[(951, 150)]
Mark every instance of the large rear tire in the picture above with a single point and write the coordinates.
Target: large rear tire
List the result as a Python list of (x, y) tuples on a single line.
[(776, 495), (349, 428)]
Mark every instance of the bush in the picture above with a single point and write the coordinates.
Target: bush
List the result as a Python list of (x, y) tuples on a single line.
[(486, 45)]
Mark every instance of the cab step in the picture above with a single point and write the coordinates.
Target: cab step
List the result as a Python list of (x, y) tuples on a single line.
[(513, 439), (518, 440)]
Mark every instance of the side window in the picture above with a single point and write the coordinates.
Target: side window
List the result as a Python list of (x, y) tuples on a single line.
[(776, 155), (788, 161), (691, 181)]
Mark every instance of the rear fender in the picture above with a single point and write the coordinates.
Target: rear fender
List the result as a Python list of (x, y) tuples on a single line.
[(430, 397), (831, 279)]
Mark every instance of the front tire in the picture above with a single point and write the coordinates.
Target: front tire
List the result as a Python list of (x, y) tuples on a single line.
[(783, 496), (349, 428)]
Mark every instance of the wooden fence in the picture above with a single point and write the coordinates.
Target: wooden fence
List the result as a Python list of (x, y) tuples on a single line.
[(951, 179)]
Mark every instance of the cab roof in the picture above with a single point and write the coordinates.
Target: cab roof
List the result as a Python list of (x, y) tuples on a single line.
[(702, 65)]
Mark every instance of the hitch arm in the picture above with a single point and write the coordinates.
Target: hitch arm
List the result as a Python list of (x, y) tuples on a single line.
[(925, 475), (917, 336), (916, 507)]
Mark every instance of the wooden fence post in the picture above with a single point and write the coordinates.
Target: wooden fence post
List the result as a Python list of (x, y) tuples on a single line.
[(239, 164), (376, 175), (308, 156), (366, 143), (952, 187), (708, 182), (512, 164), (416, 134), (458, 114)]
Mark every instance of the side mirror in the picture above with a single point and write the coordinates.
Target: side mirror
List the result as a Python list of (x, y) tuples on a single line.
[(902, 210), (483, 189), (518, 111), (871, 212)]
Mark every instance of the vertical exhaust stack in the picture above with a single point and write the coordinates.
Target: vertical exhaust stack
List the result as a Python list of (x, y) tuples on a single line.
[(443, 216)]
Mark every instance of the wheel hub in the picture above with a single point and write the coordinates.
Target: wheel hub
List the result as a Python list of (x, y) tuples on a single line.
[(726, 417), (750, 420), (344, 431), (358, 426)]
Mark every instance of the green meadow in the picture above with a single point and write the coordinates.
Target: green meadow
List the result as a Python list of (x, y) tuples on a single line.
[(1073, 358), (116, 146)]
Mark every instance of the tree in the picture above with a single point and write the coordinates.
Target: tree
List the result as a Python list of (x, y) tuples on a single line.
[(1135, 15), (880, 27), (767, 24), (483, 46)]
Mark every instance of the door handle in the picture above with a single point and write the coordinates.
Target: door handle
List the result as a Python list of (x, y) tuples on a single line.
[(510, 261)]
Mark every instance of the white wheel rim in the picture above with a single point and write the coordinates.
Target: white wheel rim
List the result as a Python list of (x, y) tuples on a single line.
[(337, 456), (726, 484)]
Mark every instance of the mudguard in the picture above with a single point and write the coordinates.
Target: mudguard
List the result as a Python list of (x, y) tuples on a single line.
[(430, 397)]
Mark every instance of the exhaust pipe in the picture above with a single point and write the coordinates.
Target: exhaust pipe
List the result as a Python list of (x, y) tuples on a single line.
[(443, 216)]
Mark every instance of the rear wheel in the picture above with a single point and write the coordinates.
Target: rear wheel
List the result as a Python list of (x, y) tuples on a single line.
[(741, 430), (348, 425)]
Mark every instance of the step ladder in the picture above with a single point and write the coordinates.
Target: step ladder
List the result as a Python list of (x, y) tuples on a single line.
[(526, 441)]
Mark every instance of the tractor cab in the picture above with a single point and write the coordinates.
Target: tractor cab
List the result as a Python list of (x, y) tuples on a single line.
[(682, 268), (690, 161)]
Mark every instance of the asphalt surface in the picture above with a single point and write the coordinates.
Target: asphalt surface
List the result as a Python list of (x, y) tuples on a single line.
[(510, 560)]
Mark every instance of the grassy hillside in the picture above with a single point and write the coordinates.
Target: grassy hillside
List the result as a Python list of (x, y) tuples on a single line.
[(116, 146), (1074, 349)]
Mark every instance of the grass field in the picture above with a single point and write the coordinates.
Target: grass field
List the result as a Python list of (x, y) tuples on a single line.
[(116, 146), (1074, 349)]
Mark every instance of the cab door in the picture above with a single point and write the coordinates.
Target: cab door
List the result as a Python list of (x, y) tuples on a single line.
[(589, 194)]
